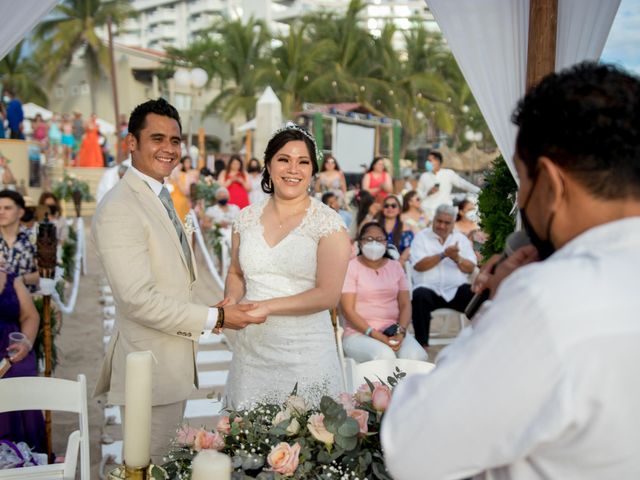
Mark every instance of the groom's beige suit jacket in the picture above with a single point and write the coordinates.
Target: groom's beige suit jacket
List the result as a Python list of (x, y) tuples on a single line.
[(151, 283)]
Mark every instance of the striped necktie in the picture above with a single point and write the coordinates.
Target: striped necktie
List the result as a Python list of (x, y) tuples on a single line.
[(165, 198)]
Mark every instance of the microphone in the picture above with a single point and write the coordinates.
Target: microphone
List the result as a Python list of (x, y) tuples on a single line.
[(514, 241)]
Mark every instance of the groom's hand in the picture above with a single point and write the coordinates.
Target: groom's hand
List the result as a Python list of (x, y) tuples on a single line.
[(236, 316)]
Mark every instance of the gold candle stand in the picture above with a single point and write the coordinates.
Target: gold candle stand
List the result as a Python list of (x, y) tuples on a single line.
[(123, 472)]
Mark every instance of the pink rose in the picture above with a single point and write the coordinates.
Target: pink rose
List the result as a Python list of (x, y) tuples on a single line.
[(208, 441), (223, 425), (362, 417), (346, 400), (186, 435), (363, 395), (381, 397), (283, 458), (316, 427)]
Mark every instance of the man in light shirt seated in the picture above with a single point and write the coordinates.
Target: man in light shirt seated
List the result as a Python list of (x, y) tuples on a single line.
[(442, 259), (435, 186), (546, 385)]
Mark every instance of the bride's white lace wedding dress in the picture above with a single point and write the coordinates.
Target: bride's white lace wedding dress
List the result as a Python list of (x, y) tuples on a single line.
[(270, 358)]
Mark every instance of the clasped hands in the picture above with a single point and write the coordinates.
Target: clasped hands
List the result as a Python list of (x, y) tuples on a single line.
[(452, 252), (238, 315)]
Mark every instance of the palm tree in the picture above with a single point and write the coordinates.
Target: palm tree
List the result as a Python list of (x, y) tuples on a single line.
[(73, 26), (239, 52), (23, 74), (296, 65)]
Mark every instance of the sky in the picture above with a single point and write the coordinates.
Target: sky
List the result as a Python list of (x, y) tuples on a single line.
[(623, 44)]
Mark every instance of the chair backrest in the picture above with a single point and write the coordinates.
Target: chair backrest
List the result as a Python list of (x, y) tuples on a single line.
[(381, 369), (56, 394)]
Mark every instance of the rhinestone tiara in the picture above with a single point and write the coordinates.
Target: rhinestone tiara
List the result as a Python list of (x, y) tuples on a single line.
[(305, 132)]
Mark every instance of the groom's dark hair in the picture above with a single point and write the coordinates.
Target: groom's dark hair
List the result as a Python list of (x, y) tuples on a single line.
[(138, 118)]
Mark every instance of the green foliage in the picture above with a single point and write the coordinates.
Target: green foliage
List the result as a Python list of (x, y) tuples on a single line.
[(206, 190), (24, 75), (69, 184), (496, 203), (69, 249)]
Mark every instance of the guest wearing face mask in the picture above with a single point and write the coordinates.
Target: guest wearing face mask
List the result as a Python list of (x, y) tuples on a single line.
[(222, 213), (375, 302), (254, 171)]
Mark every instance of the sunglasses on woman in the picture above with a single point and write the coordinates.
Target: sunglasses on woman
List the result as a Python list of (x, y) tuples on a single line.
[(390, 205)]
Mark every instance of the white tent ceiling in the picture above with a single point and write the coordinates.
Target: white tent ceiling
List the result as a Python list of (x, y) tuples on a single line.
[(19, 18), (489, 41)]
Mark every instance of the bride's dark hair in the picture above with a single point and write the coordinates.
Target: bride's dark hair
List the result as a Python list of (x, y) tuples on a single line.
[(278, 141)]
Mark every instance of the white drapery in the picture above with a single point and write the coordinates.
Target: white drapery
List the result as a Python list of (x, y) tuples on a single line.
[(19, 18), (489, 40)]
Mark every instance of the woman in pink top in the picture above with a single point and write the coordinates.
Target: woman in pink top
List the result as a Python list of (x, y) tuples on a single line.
[(375, 302)]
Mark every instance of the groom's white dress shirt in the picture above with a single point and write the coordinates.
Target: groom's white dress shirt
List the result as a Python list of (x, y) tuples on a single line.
[(546, 385)]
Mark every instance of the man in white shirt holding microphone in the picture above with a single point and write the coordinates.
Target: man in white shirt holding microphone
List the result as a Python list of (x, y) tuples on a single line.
[(545, 384)]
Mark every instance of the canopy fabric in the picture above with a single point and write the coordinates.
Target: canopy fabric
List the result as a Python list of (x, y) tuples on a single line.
[(31, 110), (489, 41), (19, 18)]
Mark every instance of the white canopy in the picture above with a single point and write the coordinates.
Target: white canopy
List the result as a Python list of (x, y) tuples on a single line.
[(31, 110), (105, 127), (489, 41), (19, 18)]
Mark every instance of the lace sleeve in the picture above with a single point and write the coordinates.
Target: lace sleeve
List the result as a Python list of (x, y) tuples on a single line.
[(323, 221), (248, 217)]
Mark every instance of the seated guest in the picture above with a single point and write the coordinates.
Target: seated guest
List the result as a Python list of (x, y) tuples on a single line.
[(16, 248), (19, 314), (331, 199), (368, 209), (467, 224), (375, 302), (412, 214), (442, 260), (222, 213), (398, 233)]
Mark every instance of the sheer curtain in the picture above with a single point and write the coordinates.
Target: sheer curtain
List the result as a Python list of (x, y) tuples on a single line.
[(19, 18), (488, 38)]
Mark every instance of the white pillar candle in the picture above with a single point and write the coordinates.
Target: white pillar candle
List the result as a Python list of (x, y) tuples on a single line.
[(137, 410), (211, 465)]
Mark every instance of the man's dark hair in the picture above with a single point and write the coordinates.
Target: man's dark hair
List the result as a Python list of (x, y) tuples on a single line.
[(326, 196), (15, 196), (138, 118), (437, 155), (586, 120)]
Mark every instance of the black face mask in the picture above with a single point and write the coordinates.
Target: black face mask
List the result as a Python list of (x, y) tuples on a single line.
[(545, 247), (223, 201), (253, 169)]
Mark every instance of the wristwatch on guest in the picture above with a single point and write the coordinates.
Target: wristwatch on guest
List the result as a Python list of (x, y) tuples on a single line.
[(401, 330), (442, 256)]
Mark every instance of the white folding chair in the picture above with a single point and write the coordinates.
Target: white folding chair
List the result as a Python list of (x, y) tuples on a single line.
[(443, 317), (56, 394), (356, 372)]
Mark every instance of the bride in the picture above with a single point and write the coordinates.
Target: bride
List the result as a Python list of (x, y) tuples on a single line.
[(289, 257)]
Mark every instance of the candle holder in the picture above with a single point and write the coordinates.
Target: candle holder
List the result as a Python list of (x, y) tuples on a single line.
[(151, 472)]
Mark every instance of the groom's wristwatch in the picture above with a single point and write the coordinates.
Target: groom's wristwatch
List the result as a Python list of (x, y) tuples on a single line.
[(220, 321)]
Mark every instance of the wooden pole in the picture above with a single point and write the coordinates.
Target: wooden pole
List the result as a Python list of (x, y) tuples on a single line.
[(543, 26), (248, 147), (201, 147), (46, 255)]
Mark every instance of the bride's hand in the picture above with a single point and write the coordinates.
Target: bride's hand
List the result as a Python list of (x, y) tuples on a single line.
[(260, 310), (238, 316)]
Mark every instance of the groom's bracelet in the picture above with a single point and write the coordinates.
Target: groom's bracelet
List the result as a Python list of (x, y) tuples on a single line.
[(220, 321)]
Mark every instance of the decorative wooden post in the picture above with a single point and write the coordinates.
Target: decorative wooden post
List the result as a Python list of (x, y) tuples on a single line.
[(47, 243), (543, 26), (77, 202)]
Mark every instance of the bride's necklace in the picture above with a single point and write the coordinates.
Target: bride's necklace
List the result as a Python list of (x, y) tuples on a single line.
[(293, 215)]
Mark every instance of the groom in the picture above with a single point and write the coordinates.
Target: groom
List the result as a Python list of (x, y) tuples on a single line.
[(150, 266)]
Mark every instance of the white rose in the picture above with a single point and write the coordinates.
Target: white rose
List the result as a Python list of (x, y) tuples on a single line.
[(296, 404), (293, 428), (281, 417)]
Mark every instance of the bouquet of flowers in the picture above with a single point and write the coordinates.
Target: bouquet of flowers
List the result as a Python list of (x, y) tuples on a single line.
[(341, 439), (205, 189), (69, 184)]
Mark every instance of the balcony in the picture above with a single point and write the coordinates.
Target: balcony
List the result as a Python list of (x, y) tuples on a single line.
[(206, 7), (161, 15), (161, 32)]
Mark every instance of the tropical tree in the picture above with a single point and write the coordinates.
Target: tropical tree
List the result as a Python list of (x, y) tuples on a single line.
[(72, 27), (239, 55), (23, 74)]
